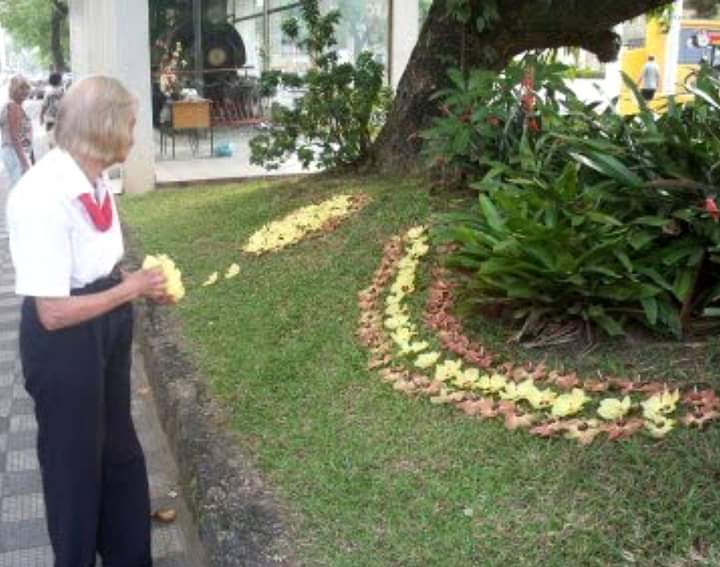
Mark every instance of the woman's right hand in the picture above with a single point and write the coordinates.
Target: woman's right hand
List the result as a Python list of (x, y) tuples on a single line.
[(147, 283)]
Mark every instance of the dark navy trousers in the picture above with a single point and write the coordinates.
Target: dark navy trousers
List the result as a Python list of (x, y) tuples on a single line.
[(92, 465)]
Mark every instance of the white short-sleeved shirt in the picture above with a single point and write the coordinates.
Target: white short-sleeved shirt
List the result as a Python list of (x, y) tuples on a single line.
[(54, 244), (650, 76)]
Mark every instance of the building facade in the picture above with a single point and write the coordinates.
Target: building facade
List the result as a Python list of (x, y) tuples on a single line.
[(113, 38)]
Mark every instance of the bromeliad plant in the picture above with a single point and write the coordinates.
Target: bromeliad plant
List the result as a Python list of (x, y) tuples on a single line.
[(483, 115), (598, 219)]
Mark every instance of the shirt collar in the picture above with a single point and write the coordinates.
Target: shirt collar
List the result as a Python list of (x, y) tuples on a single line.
[(75, 182)]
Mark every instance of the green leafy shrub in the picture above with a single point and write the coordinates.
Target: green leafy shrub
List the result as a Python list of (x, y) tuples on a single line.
[(599, 218), (482, 114), (342, 106)]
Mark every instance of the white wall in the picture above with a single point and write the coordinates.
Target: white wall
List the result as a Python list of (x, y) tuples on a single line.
[(111, 37), (405, 31)]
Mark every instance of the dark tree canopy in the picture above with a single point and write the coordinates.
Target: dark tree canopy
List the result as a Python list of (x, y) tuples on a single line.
[(516, 26)]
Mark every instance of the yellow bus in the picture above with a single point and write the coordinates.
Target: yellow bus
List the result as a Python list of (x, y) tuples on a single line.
[(657, 43)]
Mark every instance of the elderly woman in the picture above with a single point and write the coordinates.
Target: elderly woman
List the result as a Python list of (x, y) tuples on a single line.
[(76, 332), (16, 131)]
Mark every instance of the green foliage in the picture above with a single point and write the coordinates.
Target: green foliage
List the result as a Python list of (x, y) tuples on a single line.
[(29, 23), (598, 217), (482, 14), (482, 116), (343, 106)]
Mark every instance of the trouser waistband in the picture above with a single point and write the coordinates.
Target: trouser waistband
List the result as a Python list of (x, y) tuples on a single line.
[(100, 284)]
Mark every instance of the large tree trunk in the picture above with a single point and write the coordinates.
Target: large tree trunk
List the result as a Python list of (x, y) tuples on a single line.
[(57, 21), (523, 25)]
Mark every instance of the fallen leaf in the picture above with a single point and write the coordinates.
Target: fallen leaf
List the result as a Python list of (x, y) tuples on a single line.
[(391, 374), (232, 271), (699, 418), (420, 380), (548, 429), (506, 407), (405, 386), (596, 386), (483, 407), (211, 279), (164, 515), (566, 381), (514, 421), (379, 361), (623, 429), (703, 398), (583, 431), (434, 388)]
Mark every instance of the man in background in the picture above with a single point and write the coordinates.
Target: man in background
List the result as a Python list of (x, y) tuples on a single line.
[(649, 81)]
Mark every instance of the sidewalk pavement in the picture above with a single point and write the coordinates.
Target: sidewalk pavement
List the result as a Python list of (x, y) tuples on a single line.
[(23, 536)]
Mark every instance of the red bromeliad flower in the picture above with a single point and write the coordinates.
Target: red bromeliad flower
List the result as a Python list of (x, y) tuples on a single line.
[(712, 208), (528, 99)]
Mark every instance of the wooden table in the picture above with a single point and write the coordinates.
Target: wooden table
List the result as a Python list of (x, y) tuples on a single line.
[(189, 116)]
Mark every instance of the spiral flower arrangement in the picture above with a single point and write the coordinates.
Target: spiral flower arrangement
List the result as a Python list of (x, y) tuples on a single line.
[(463, 373)]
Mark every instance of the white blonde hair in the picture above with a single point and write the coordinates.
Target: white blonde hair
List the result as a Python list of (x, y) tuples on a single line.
[(17, 83), (93, 120)]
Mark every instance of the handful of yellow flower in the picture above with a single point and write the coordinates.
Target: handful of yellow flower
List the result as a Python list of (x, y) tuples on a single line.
[(174, 286)]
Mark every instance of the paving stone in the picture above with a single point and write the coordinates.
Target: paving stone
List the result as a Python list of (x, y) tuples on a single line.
[(166, 540), (24, 406), (10, 323), (23, 534), (9, 338), (20, 461), (20, 440), (22, 507), (31, 557), (23, 422), (4, 424), (26, 482), (172, 561), (20, 393)]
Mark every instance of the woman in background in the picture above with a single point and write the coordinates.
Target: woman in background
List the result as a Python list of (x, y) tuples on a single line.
[(16, 131)]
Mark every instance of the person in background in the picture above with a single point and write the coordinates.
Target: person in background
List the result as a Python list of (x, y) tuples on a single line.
[(51, 102), (76, 331), (16, 131), (649, 81)]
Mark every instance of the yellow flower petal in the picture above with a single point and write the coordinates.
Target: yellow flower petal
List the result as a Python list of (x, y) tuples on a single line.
[(211, 279), (232, 271)]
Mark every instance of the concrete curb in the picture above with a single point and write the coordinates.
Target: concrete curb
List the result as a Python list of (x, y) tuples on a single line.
[(238, 519)]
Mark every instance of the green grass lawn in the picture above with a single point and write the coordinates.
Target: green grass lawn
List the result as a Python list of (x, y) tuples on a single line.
[(372, 477)]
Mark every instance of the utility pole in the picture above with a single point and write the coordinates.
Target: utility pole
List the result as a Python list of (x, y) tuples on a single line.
[(673, 49)]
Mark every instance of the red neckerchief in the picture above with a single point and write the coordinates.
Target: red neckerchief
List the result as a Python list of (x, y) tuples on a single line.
[(102, 217)]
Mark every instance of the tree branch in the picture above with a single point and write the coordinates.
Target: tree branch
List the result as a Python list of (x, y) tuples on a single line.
[(61, 7)]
